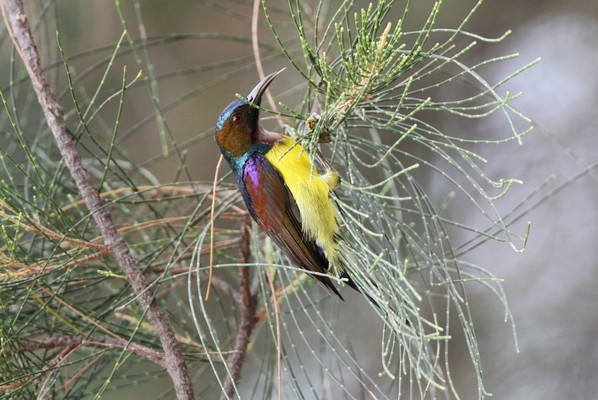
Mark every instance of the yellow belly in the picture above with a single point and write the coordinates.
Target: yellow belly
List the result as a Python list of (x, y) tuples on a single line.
[(310, 191)]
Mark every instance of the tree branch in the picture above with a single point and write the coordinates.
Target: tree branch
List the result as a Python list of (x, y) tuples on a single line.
[(247, 316), (104, 342), (18, 27)]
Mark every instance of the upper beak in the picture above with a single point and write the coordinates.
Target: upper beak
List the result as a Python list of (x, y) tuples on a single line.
[(256, 94)]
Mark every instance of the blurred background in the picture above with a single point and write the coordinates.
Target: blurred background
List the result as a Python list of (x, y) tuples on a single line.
[(551, 286)]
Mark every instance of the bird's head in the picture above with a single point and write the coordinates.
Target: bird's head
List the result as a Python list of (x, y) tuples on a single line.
[(238, 125)]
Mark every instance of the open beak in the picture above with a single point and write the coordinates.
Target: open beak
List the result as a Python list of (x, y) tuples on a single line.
[(256, 94)]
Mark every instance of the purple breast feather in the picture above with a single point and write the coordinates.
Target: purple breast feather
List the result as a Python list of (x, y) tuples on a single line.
[(253, 167)]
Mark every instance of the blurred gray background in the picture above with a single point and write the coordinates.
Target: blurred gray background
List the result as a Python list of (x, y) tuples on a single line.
[(551, 287)]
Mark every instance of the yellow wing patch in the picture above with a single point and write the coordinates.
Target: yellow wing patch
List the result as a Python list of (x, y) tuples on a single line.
[(310, 191)]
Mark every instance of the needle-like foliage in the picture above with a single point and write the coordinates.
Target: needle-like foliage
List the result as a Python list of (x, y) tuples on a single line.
[(397, 111)]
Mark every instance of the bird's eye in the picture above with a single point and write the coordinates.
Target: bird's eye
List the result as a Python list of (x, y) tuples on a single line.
[(237, 118)]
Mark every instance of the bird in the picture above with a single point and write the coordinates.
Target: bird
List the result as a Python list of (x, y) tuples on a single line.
[(284, 193)]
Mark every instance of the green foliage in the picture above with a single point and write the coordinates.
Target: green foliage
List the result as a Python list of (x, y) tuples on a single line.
[(373, 87), (378, 93)]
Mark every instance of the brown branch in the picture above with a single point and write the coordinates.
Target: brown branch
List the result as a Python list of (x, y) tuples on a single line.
[(19, 270), (68, 344), (247, 316), (105, 342), (20, 32)]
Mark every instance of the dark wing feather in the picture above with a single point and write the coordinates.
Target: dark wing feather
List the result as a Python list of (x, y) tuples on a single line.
[(272, 206)]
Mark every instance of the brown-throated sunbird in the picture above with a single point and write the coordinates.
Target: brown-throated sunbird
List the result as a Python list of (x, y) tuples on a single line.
[(283, 192)]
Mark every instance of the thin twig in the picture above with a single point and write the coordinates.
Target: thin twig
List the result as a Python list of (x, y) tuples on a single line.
[(103, 342), (256, 54), (274, 300), (64, 354), (247, 317), (20, 32), (212, 227)]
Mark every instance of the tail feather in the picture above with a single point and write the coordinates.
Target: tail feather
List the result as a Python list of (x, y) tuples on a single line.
[(351, 283)]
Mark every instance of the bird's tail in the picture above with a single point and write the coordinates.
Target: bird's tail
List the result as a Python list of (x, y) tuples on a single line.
[(348, 266), (346, 278)]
